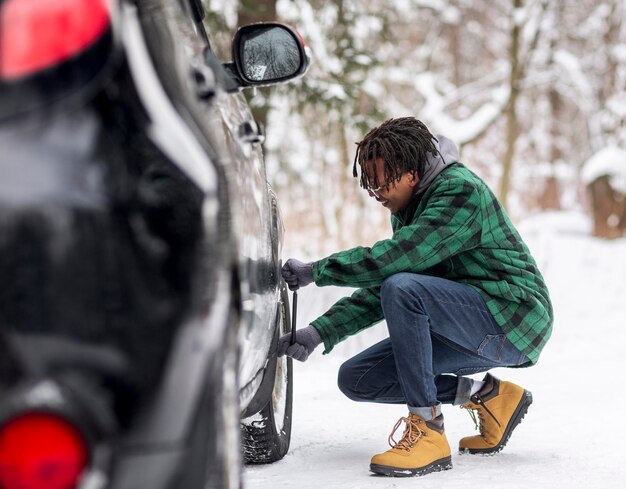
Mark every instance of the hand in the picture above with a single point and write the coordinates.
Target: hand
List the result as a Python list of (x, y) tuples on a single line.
[(297, 274), (307, 340)]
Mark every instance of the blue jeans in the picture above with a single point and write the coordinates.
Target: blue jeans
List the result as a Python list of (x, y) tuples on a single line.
[(439, 331)]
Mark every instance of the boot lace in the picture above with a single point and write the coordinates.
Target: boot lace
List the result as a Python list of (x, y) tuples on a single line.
[(411, 435), (477, 410)]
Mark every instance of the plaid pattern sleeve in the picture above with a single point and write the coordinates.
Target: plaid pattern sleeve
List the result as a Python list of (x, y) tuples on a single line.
[(449, 225), (459, 232), (349, 316)]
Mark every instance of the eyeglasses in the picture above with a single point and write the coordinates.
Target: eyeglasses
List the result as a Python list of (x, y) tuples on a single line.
[(374, 191)]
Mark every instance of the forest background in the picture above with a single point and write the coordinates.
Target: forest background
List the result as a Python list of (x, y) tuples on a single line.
[(530, 91)]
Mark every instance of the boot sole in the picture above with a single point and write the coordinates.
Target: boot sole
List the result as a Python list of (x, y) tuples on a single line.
[(436, 466), (518, 415)]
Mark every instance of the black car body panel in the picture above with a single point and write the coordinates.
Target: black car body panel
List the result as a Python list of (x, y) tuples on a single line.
[(140, 250)]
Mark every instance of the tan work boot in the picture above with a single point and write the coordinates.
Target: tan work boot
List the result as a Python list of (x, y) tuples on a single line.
[(423, 449), (500, 406)]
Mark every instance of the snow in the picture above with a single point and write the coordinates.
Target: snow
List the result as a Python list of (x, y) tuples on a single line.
[(572, 436), (255, 420), (435, 104), (608, 161)]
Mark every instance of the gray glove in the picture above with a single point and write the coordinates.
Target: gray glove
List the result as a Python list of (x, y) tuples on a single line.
[(307, 340), (297, 274)]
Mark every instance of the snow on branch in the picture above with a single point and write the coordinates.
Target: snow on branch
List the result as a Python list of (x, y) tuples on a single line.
[(468, 129)]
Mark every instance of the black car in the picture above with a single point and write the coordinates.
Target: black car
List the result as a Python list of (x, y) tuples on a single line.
[(140, 297)]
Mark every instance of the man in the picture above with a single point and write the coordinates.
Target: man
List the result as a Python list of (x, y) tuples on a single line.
[(457, 287)]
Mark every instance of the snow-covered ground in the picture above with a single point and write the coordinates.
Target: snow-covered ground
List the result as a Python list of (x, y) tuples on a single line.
[(574, 433)]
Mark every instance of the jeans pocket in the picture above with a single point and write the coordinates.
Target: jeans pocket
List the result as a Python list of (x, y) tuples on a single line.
[(491, 347)]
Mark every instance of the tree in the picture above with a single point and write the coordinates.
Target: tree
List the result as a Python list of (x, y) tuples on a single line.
[(529, 89)]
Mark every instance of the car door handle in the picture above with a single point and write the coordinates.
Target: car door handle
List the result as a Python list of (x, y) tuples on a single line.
[(251, 132), (204, 82)]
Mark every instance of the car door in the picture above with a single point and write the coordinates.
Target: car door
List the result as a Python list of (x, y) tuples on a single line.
[(255, 226), (257, 254)]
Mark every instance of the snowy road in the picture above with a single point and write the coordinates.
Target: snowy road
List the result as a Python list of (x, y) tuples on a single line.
[(572, 436)]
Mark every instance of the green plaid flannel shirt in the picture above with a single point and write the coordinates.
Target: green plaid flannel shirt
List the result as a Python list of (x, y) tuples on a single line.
[(459, 232)]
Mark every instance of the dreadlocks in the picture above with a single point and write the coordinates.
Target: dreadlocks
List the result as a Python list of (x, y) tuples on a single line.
[(401, 143)]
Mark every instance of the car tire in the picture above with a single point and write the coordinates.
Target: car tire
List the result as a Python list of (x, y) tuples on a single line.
[(266, 434)]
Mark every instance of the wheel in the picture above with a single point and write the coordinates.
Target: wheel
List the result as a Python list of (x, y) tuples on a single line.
[(266, 435)]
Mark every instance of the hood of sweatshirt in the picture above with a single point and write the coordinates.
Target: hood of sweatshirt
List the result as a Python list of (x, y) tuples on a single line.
[(448, 154)]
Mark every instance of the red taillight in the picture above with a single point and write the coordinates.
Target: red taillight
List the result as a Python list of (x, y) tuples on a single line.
[(41, 451), (36, 34)]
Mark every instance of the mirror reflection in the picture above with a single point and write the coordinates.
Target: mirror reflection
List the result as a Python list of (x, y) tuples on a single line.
[(270, 54)]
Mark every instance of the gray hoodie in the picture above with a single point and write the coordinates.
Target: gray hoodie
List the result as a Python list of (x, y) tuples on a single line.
[(434, 164)]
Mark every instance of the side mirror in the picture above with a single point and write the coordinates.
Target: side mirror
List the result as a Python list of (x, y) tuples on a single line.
[(268, 53)]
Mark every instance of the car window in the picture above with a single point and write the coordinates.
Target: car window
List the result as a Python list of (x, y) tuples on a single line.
[(219, 34), (195, 14)]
